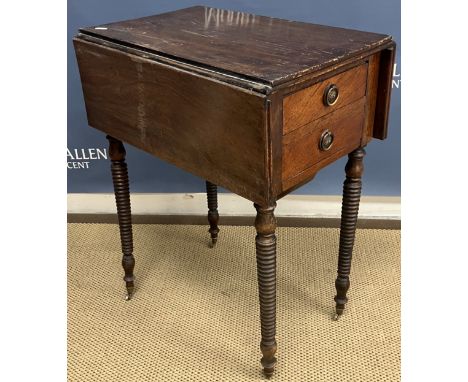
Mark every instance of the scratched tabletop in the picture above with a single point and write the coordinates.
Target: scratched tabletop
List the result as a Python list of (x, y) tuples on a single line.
[(265, 49)]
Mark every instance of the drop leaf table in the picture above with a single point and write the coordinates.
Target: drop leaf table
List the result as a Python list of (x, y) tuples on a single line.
[(255, 104)]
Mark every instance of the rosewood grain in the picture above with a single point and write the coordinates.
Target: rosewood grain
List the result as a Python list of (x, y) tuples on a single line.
[(122, 199), (265, 243), (382, 108), (301, 147), (215, 131), (349, 214), (213, 215), (238, 99), (265, 49), (275, 152), (371, 96), (307, 105)]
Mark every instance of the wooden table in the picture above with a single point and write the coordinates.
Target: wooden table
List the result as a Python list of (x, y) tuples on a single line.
[(255, 104)]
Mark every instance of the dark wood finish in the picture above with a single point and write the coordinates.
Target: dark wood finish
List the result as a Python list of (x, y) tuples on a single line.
[(301, 147), (212, 130), (246, 121), (265, 243), (122, 199), (262, 48), (307, 105), (379, 87), (238, 99), (213, 215), (275, 120), (382, 109), (371, 96), (324, 73), (349, 214)]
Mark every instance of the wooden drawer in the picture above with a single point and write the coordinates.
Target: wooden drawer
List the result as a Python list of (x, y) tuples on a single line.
[(308, 104), (302, 156)]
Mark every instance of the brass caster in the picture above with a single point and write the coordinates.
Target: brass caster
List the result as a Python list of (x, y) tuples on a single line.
[(336, 316), (268, 374), (128, 296), (213, 243)]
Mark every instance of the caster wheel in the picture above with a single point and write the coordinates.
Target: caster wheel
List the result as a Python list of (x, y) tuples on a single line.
[(213, 243)]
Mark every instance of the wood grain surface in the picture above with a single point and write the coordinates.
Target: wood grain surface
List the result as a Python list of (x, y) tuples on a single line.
[(266, 49), (213, 91), (237, 99), (371, 95), (215, 131), (307, 105), (301, 147), (382, 107)]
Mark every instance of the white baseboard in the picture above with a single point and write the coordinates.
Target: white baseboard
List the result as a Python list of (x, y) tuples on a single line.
[(303, 206)]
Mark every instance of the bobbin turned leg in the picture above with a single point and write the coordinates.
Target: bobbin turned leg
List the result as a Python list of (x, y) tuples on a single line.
[(265, 224), (349, 213), (213, 216), (122, 199)]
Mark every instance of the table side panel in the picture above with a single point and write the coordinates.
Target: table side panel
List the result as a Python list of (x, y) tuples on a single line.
[(213, 130), (382, 108), (275, 130), (379, 87), (371, 94)]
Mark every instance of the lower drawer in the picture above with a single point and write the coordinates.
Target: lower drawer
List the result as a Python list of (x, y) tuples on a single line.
[(313, 146)]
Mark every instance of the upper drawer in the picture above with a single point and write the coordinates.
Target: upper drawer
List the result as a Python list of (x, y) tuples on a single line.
[(310, 103)]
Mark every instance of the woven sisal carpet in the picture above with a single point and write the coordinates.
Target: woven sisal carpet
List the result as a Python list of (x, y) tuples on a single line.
[(195, 314)]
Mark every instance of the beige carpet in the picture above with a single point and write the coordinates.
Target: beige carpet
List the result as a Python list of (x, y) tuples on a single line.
[(195, 313)]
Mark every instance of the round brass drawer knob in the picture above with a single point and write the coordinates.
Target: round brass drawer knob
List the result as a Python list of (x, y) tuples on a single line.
[(326, 140), (331, 95)]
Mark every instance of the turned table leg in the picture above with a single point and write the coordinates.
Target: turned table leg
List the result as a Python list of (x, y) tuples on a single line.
[(349, 214), (213, 216), (122, 199), (265, 241)]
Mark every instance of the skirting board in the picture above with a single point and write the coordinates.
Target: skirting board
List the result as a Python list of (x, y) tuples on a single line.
[(177, 208)]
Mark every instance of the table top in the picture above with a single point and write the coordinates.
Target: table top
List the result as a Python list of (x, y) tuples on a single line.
[(259, 48)]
